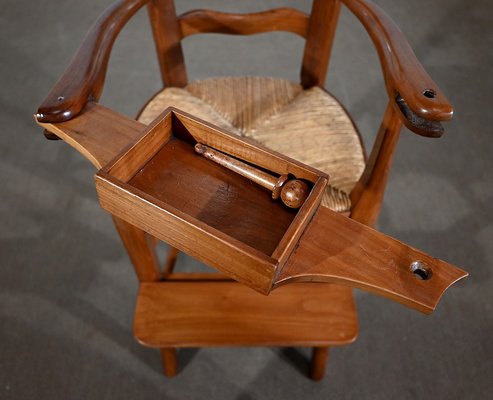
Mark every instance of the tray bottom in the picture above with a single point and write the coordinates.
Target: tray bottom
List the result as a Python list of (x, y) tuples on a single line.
[(214, 195)]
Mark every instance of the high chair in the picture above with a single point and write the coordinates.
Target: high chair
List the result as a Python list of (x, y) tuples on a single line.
[(310, 135)]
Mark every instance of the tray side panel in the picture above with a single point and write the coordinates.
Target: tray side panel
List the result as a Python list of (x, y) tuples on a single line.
[(246, 149), (293, 233), (137, 154)]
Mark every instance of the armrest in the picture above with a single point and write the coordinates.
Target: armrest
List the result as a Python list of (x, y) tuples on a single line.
[(419, 100), (83, 80), (98, 133)]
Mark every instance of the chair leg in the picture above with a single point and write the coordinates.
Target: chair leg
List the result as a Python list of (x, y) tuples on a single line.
[(169, 360), (140, 249), (320, 356), (170, 262)]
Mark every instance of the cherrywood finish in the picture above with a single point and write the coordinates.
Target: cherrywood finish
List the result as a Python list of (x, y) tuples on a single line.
[(244, 148), (178, 177), (320, 356), (333, 249), (420, 103), (198, 276), (83, 80), (293, 192), (321, 32), (229, 314), (367, 196), (159, 184), (251, 152), (170, 361), (170, 262), (243, 262), (99, 133), (140, 249), (209, 21), (414, 96), (404, 75), (340, 250), (167, 37)]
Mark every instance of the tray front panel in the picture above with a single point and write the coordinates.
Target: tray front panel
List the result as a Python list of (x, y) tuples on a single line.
[(193, 237)]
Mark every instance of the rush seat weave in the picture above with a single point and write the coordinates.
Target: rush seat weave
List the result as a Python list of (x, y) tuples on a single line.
[(307, 125)]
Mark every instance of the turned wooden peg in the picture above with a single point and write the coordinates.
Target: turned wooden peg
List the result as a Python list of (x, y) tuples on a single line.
[(293, 192)]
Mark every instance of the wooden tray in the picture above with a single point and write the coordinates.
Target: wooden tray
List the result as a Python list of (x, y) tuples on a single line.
[(159, 184)]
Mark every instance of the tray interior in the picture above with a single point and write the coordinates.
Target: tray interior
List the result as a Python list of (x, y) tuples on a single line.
[(162, 167), (220, 198)]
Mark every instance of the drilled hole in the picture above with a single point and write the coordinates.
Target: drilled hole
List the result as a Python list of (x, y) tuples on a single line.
[(420, 270), (61, 98), (430, 93)]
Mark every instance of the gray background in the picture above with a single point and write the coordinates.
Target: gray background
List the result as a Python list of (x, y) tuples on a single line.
[(67, 289)]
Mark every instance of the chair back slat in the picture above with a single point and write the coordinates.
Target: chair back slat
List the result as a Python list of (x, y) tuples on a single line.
[(210, 21), (318, 29)]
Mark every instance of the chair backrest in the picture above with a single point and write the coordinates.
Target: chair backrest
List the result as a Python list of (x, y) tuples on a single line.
[(318, 29)]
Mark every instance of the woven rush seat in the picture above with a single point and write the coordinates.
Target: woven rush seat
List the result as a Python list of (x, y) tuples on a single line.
[(307, 125)]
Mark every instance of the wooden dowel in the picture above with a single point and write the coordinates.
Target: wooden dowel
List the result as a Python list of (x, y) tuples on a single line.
[(293, 192), (260, 177)]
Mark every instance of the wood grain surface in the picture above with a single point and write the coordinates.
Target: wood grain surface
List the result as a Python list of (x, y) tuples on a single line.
[(367, 195), (98, 133), (214, 195), (337, 249), (333, 249), (83, 80), (210, 21), (229, 314), (167, 38), (321, 32), (403, 73)]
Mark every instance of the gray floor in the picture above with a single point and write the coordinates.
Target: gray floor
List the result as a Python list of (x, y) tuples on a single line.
[(67, 289)]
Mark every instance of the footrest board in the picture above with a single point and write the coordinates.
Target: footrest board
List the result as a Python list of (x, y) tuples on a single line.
[(226, 313)]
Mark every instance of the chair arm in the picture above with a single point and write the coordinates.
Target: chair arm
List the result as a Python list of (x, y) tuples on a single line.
[(421, 104), (83, 80)]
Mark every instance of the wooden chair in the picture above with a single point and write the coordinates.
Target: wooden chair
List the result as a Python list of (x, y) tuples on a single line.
[(301, 120)]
